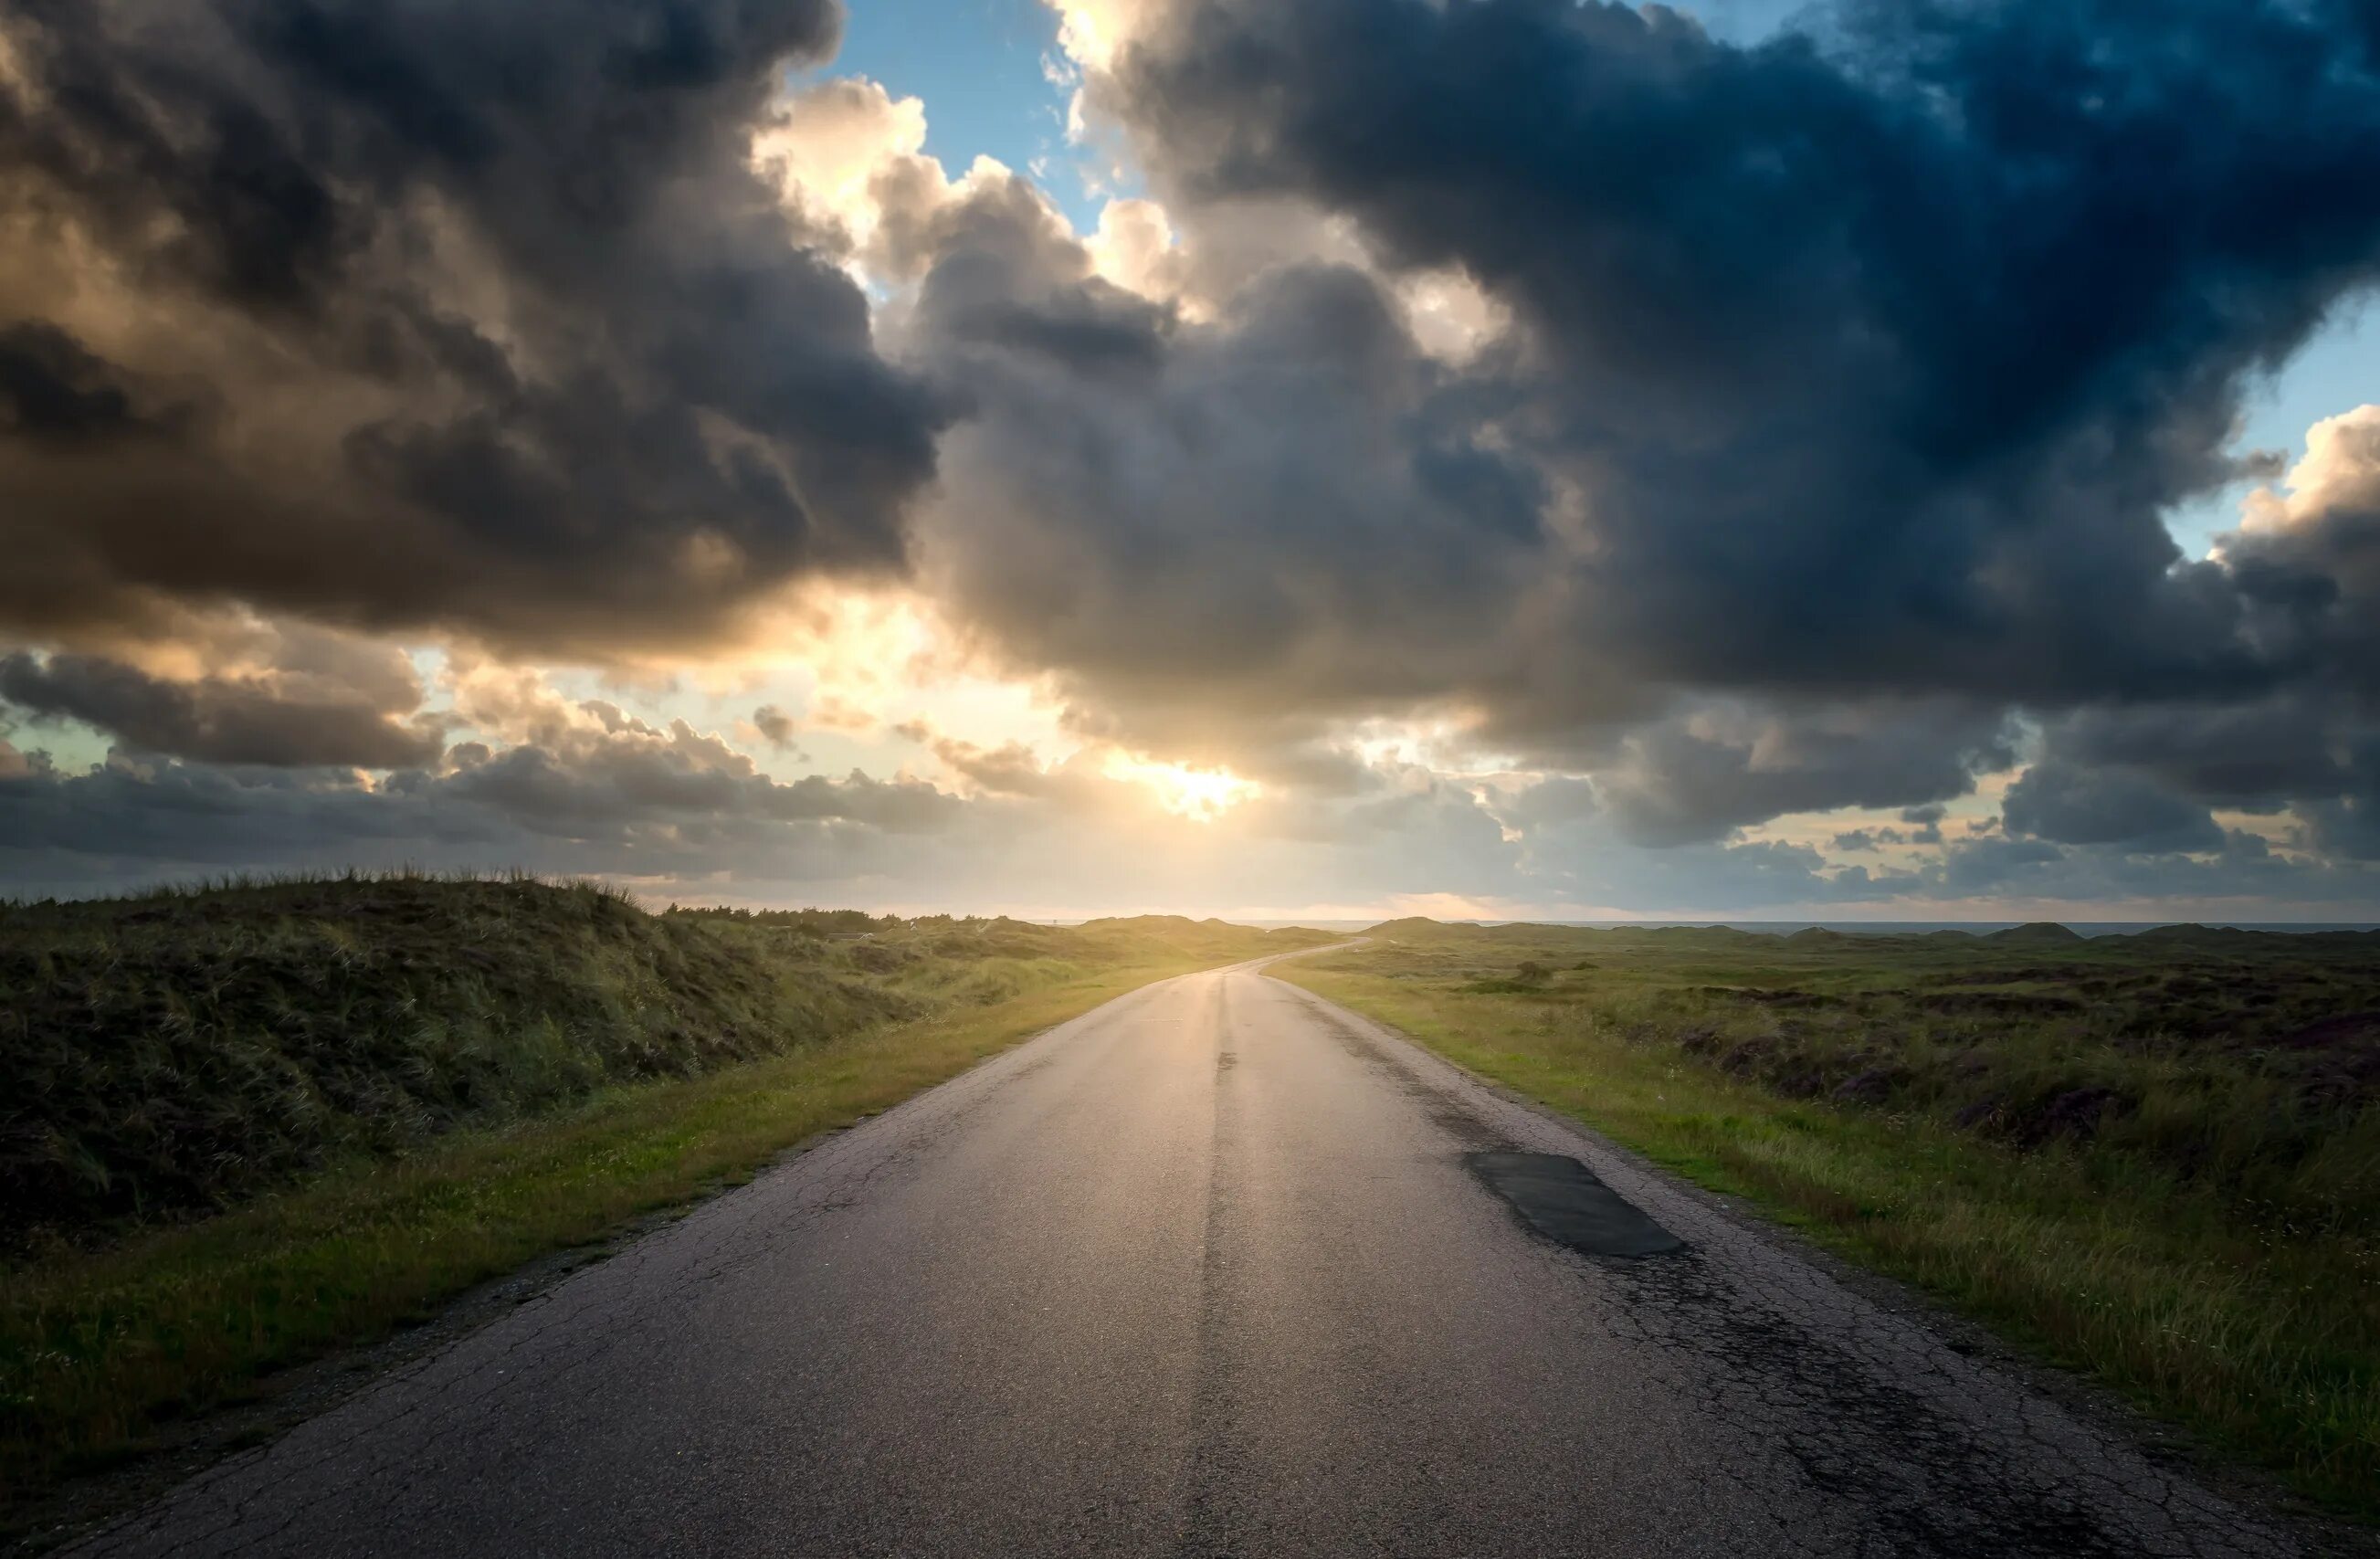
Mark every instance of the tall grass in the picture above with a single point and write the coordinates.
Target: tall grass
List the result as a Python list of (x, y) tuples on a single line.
[(174, 1053), (178, 1051)]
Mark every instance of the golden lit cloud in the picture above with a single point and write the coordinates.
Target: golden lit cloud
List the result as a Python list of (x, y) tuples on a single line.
[(1092, 32), (1136, 247), (1200, 794), (1451, 317), (2341, 466), (829, 142)]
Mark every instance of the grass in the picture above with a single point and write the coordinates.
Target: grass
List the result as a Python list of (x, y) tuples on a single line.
[(181, 1052), (2154, 1160), (111, 1329)]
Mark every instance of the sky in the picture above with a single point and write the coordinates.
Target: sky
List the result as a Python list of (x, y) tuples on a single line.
[(1277, 459)]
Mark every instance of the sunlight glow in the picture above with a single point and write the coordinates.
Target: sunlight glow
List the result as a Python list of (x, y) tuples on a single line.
[(1200, 794)]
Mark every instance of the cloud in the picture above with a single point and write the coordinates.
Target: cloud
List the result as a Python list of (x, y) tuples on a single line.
[(1534, 443), (55, 393), (1010, 768), (597, 766), (1701, 776), (2307, 558), (1289, 512), (1859, 365), (2255, 753), (217, 719), (2244, 879), (839, 147), (1136, 247), (2067, 805), (776, 728), (447, 316), (831, 712), (677, 813), (602, 792), (1926, 821)]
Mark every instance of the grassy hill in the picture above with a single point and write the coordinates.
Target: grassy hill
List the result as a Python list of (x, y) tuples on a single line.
[(181, 1050)]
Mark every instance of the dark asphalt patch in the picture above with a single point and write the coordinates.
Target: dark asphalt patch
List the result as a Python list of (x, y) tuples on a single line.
[(1562, 1200)]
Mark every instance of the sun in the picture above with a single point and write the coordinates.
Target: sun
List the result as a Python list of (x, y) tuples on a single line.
[(1200, 794)]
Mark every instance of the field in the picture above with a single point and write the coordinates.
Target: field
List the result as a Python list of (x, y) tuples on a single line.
[(242, 1127), (2154, 1158)]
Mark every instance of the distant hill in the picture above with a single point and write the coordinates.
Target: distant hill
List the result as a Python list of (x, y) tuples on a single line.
[(2041, 932), (1181, 933), (1422, 927), (2043, 935)]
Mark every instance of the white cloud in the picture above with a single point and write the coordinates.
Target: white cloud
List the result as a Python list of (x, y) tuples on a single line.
[(2340, 470), (829, 142)]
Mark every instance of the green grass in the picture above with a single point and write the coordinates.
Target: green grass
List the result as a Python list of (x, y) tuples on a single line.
[(2161, 1168), (179, 1053), (110, 1330)]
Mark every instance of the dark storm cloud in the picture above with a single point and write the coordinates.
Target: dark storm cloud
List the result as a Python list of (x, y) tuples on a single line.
[(2317, 755), (2242, 876), (222, 720), (55, 392), (1926, 822), (624, 773), (1880, 350), (500, 331), (2347, 826), (1000, 270), (1846, 380), (2225, 755), (1609, 871), (1850, 373), (1222, 527), (2107, 806), (2311, 566), (1696, 779)]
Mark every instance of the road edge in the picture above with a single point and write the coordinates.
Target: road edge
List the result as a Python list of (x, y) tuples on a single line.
[(2325, 1535)]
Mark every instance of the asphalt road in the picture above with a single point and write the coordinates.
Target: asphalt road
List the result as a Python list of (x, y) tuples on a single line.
[(1204, 1272)]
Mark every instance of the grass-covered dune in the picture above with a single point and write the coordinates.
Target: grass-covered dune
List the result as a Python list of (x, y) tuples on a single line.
[(2154, 1157), (180, 1051), (246, 1126)]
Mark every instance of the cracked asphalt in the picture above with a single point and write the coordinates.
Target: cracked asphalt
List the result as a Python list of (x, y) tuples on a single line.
[(1201, 1273)]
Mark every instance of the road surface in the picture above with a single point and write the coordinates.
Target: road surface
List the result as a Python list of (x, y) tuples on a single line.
[(1208, 1271)]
